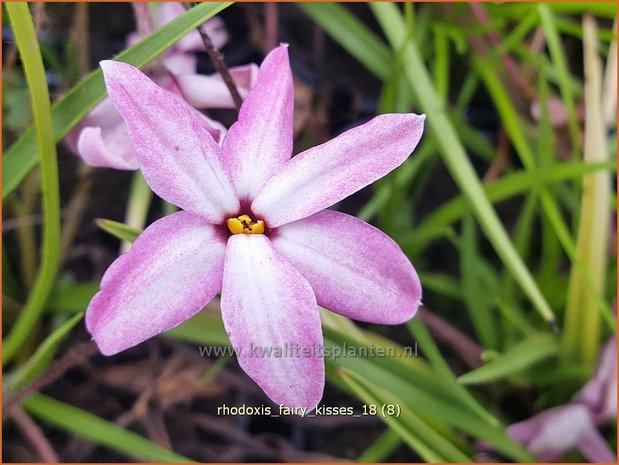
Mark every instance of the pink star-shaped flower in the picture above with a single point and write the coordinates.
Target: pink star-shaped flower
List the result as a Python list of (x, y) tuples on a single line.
[(254, 227)]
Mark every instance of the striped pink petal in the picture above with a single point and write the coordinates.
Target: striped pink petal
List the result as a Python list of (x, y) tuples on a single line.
[(177, 155), (354, 269), (172, 270), (270, 313), (328, 173), (260, 142)]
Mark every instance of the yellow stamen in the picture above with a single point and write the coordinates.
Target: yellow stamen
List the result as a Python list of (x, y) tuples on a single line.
[(245, 225), (235, 226), (258, 227)]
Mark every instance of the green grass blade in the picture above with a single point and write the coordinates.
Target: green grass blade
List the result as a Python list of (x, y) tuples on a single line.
[(352, 35), (504, 188), (72, 297), (204, 328), (28, 46), (419, 435), (411, 380), (419, 331), (21, 156), (41, 358), (582, 318), (557, 55), (476, 298), (140, 198), (456, 158), (526, 353), (119, 230), (382, 448), (88, 426)]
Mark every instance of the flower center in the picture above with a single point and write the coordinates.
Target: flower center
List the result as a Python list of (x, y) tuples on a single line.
[(245, 225)]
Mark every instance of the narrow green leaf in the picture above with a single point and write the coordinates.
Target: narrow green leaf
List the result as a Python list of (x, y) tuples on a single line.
[(419, 435), (528, 352), (21, 156), (28, 46), (582, 318), (441, 284), (72, 297), (476, 297), (39, 361), (504, 188), (119, 230), (419, 331), (518, 10), (352, 35), (412, 381), (557, 55), (140, 197), (204, 328), (382, 448), (99, 431)]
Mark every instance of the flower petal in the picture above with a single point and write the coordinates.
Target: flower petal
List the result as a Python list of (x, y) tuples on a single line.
[(177, 155), (172, 270), (104, 115), (115, 150), (353, 268), (180, 63), (594, 448), (324, 175), (211, 92), (600, 392), (192, 42), (270, 313), (552, 433), (260, 142)]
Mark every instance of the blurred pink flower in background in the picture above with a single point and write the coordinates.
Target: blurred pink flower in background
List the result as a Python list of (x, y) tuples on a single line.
[(101, 139), (552, 433)]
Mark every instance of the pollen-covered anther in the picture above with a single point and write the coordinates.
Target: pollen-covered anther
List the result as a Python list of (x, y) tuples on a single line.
[(245, 225)]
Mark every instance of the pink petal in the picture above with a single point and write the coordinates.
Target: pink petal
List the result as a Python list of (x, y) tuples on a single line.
[(168, 11), (173, 269), (210, 91), (180, 63), (594, 448), (104, 115), (600, 392), (324, 175), (114, 150), (177, 155), (554, 432), (260, 142), (267, 305), (192, 42), (353, 268)]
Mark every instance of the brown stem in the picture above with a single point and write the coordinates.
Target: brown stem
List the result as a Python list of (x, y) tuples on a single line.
[(500, 161), (271, 25), (75, 210), (219, 64), (450, 335), (79, 37), (509, 63), (34, 434), (72, 358)]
